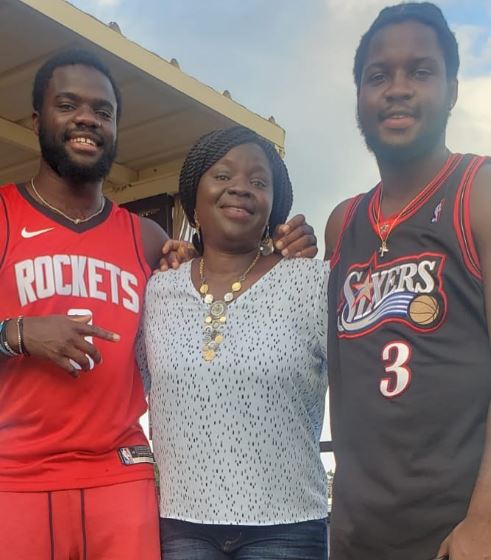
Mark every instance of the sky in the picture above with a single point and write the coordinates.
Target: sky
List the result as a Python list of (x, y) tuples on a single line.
[(293, 59)]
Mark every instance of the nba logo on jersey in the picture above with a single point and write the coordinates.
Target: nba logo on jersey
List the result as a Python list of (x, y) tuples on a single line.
[(407, 291), (437, 212)]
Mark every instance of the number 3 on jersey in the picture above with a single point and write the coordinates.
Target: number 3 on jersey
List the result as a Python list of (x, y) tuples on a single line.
[(87, 338), (396, 356)]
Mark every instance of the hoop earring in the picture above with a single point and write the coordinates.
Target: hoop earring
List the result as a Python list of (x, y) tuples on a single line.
[(196, 225), (266, 243), (197, 238)]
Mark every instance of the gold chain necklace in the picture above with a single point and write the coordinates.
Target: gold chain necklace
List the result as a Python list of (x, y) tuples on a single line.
[(75, 221), (216, 316), (385, 229)]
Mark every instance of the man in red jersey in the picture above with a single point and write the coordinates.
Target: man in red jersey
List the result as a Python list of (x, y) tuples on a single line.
[(410, 282), (76, 471)]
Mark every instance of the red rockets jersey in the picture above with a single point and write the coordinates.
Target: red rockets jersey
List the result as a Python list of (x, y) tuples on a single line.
[(56, 431)]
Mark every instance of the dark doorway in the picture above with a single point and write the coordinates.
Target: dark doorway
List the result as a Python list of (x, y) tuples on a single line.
[(158, 208)]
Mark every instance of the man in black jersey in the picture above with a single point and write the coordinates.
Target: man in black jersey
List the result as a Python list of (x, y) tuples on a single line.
[(410, 359)]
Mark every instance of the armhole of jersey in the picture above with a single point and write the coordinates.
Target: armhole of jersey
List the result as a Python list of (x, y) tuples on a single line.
[(138, 241), (4, 230), (348, 215), (462, 218)]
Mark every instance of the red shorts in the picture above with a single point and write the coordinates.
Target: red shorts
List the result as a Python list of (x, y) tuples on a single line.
[(118, 522)]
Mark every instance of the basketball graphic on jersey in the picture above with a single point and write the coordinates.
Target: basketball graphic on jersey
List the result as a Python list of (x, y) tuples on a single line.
[(424, 309)]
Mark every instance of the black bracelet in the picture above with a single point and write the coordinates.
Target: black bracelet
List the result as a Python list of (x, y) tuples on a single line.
[(3, 350), (20, 324)]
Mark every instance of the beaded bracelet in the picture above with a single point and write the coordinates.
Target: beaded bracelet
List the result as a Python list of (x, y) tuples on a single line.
[(4, 345)]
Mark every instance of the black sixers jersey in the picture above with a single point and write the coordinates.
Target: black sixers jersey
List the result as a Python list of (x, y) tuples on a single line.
[(410, 372)]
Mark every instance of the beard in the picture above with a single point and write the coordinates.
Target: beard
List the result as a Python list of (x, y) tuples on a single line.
[(426, 141), (57, 157)]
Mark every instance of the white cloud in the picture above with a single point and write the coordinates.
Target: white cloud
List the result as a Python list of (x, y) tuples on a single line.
[(474, 48), (470, 126)]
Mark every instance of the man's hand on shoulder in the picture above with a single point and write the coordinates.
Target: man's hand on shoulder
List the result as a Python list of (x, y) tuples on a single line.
[(162, 253), (175, 252), (296, 238)]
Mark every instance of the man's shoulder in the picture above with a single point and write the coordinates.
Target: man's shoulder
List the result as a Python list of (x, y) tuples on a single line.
[(337, 221), (482, 178)]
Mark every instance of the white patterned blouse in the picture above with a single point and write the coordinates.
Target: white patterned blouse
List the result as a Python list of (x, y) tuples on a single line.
[(237, 439)]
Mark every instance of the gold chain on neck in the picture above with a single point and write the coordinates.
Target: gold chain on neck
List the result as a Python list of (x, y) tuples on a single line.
[(75, 221)]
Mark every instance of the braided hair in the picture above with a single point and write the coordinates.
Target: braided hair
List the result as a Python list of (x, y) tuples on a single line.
[(212, 147)]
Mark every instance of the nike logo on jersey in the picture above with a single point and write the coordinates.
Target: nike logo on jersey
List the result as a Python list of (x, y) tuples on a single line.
[(28, 234)]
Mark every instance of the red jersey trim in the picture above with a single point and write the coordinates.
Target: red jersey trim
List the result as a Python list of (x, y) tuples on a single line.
[(138, 240), (462, 218), (420, 199), (348, 216), (6, 232)]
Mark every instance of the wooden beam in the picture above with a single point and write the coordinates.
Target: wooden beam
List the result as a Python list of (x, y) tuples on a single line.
[(17, 135)]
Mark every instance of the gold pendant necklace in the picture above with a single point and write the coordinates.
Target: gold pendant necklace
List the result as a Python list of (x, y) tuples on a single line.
[(75, 221), (216, 316), (385, 229)]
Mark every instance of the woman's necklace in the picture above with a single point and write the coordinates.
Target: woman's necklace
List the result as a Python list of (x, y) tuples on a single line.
[(216, 316), (75, 221)]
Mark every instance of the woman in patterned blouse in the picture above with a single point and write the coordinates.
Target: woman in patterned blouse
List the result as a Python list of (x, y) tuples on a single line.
[(235, 346)]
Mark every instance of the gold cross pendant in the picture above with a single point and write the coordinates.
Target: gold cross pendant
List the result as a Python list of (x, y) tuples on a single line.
[(383, 248)]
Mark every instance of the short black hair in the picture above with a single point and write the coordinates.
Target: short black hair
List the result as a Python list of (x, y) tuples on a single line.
[(68, 58), (211, 147), (422, 12)]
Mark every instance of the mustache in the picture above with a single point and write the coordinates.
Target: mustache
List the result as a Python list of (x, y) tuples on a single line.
[(398, 110)]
